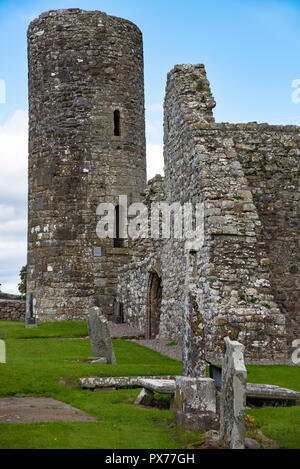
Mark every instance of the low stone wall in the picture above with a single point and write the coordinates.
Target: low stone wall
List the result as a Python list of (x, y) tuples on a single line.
[(12, 310)]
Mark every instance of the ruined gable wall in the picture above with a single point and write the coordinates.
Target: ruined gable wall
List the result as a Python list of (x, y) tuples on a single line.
[(270, 156), (183, 184), (233, 293)]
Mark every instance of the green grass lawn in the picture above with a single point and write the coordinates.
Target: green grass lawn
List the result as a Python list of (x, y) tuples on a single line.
[(38, 365), (16, 330)]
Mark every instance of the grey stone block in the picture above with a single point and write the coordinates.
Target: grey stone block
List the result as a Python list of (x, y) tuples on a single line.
[(144, 398), (195, 404)]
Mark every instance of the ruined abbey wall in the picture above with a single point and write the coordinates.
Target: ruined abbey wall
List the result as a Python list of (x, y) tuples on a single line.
[(231, 287), (270, 159), (83, 67), (231, 283), (238, 277)]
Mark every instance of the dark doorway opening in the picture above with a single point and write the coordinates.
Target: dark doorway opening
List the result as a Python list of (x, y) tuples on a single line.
[(154, 305)]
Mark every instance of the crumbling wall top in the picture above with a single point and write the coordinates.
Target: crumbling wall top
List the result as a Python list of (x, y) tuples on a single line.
[(193, 89), (68, 15)]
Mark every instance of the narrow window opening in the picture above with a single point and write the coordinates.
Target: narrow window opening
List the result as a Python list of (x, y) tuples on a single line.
[(117, 239), (117, 130)]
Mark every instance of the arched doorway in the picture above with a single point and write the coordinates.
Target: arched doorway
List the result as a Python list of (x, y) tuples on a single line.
[(154, 304)]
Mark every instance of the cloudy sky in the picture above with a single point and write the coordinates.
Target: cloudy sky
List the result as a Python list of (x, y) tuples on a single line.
[(250, 49)]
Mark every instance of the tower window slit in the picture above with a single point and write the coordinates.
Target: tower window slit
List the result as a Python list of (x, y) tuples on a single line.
[(117, 130), (117, 239)]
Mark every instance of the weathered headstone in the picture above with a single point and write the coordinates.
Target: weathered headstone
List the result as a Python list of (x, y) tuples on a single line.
[(233, 396), (195, 404), (2, 352), (100, 337)]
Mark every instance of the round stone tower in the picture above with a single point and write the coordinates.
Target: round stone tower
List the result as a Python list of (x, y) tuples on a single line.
[(86, 146)]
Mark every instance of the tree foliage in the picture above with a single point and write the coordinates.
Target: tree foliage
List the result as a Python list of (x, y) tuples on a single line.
[(23, 278)]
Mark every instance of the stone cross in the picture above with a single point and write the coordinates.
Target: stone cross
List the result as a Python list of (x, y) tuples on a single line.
[(100, 337), (233, 396)]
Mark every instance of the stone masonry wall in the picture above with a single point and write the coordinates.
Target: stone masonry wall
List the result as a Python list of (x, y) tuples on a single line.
[(270, 156), (243, 280), (12, 310), (231, 286), (133, 279), (83, 66)]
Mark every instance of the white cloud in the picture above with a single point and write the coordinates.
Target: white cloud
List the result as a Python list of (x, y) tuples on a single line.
[(13, 158), (6, 212), (155, 160), (13, 199), (12, 228), (13, 136), (12, 250), (12, 287)]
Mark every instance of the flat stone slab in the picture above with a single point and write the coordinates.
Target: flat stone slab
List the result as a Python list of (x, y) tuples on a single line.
[(39, 409), (166, 385), (269, 391), (163, 386), (120, 382)]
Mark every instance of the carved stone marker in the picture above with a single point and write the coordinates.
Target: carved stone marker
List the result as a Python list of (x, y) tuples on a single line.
[(233, 396), (100, 337)]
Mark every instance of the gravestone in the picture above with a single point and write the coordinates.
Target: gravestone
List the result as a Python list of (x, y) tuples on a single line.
[(100, 337), (194, 405), (233, 396), (2, 352)]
